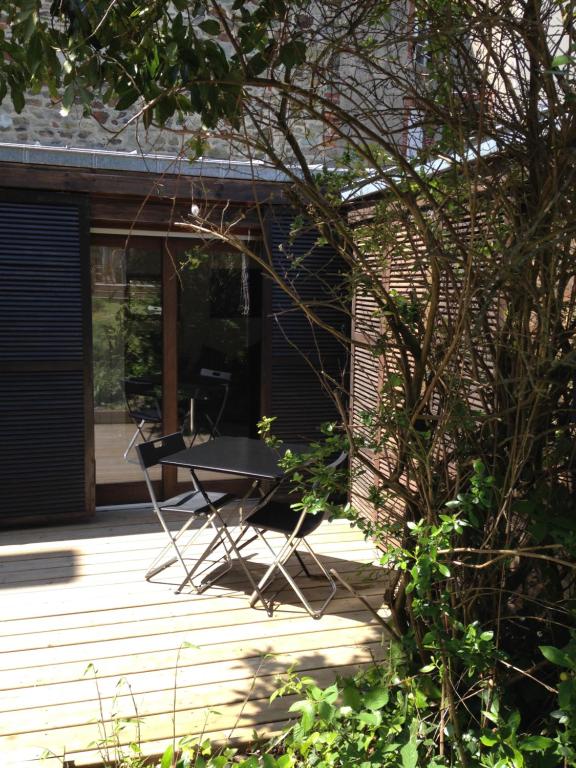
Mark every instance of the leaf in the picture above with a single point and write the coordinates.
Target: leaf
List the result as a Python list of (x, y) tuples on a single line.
[(307, 711), (566, 691), (536, 744), (330, 694), (168, 757), (29, 26), (90, 669), (126, 99), (518, 759), (514, 721), (34, 52), (376, 698), (257, 64), (326, 711), (147, 117), (488, 741), (67, 99), (373, 719), (210, 26), (420, 699), (154, 62), (556, 656), (17, 97), (562, 60), (409, 752), (293, 53), (251, 762), (164, 109), (351, 697), (444, 570)]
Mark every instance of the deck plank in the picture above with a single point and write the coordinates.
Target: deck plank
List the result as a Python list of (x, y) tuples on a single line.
[(78, 618)]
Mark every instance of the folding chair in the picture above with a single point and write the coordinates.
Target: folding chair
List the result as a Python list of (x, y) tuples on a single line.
[(279, 517), (195, 504), (143, 404)]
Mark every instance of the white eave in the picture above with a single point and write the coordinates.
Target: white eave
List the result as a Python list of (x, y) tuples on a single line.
[(109, 160), (437, 165)]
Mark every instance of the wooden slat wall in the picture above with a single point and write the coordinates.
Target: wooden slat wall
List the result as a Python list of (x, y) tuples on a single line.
[(297, 397), (404, 271), (46, 451), (369, 373)]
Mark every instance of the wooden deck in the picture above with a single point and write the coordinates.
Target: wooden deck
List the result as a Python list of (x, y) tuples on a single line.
[(86, 640)]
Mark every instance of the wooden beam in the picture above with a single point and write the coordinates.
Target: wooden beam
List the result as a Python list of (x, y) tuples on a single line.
[(158, 186)]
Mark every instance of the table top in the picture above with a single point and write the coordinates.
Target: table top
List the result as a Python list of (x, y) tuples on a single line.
[(234, 455)]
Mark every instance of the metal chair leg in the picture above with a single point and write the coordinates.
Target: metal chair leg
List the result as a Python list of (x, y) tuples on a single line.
[(279, 565), (134, 436)]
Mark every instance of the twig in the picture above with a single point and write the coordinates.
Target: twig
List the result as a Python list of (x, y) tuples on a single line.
[(501, 553), (392, 632), (525, 673)]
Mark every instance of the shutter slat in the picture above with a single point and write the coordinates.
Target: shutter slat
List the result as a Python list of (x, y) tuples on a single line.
[(298, 400), (42, 361)]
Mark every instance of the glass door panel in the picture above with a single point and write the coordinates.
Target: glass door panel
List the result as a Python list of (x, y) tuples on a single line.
[(219, 334), (127, 350)]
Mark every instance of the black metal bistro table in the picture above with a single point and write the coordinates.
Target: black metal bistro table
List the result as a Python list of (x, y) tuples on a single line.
[(242, 456), (234, 456)]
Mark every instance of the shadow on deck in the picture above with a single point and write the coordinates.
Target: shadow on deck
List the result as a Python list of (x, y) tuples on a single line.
[(87, 639)]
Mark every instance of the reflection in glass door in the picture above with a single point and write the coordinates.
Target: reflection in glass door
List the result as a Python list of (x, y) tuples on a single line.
[(127, 351), (172, 322), (219, 333)]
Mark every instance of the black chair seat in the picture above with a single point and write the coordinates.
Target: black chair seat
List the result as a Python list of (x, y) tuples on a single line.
[(279, 517), (147, 414), (194, 502)]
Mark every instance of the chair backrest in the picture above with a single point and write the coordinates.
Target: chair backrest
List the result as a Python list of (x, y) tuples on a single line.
[(142, 394), (142, 387), (151, 452), (209, 373), (287, 495), (335, 464), (210, 395), (338, 461)]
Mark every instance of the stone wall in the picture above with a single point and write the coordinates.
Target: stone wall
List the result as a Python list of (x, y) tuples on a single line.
[(41, 123)]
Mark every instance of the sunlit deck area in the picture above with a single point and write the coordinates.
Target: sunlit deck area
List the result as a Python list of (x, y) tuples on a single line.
[(87, 641)]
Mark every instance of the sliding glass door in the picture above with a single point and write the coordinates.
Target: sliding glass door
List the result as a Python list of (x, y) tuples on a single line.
[(176, 339)]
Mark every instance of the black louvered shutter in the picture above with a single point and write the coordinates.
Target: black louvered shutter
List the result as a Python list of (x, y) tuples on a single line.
[(298, 349), (46, 453)]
